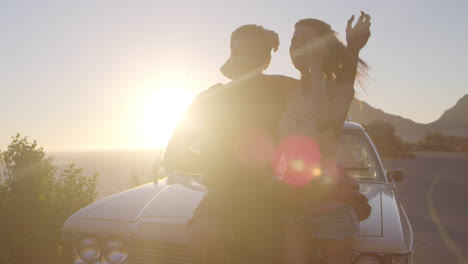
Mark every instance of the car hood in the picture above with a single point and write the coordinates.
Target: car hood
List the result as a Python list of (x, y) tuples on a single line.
[(137, 211), (387, 229), (372, 226), (178, 200), (118, 214), (154, 200)]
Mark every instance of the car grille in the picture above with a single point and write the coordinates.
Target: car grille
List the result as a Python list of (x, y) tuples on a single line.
[(158, 252)]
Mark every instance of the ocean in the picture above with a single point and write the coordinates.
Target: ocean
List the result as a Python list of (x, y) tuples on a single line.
[(118, 169)]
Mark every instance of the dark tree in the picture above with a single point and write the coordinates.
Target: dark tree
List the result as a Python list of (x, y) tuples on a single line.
[(386, 140)]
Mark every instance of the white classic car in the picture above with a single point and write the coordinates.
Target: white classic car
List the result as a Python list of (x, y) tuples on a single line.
[(148, 224)]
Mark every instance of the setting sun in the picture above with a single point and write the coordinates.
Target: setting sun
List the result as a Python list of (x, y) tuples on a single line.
[(160, 109)]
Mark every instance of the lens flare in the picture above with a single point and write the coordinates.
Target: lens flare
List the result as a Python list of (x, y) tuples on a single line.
[(297, 165), (253, 147), (316, 171), (297, 160)]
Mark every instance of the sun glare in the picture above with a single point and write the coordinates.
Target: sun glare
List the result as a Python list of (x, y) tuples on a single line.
[(162, 107)]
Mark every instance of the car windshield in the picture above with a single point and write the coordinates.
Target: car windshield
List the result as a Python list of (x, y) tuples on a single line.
[(356, 154)]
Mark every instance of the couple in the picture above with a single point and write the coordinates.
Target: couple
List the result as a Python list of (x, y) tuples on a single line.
[(266, 145)]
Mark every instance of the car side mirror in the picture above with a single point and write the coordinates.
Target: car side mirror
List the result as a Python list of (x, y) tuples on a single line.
[(396, 175)]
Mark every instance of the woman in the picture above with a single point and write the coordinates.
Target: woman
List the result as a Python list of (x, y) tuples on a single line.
[(320, 198)]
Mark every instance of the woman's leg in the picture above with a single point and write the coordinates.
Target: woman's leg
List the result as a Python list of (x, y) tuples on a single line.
[(298, 245), (336, 251)]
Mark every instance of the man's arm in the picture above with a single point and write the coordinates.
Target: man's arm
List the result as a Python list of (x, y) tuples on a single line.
[(183, 150)]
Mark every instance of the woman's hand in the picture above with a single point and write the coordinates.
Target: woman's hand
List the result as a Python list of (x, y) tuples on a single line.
[(358, 35)]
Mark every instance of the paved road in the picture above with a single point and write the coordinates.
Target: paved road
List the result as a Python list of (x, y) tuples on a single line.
[(434, 193)]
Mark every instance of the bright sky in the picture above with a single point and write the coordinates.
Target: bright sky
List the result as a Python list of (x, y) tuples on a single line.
[(115, 74)]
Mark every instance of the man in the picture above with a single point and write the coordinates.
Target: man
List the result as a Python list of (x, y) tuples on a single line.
[(228, 135)]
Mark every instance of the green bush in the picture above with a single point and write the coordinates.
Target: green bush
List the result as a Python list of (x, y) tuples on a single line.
[(437, 141), (35, 201), (386, 140)]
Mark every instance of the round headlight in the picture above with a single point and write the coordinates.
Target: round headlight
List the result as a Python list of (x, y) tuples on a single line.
[(368, 259), (89, 248), (115, 251)]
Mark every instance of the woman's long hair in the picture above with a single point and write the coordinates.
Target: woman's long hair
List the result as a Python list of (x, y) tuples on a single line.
[(333, 63)]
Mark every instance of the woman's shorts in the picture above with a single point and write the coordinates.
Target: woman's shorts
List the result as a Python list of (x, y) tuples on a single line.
[(341, 223)]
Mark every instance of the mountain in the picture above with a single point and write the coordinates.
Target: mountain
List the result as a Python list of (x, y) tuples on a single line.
[(453, 121)]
